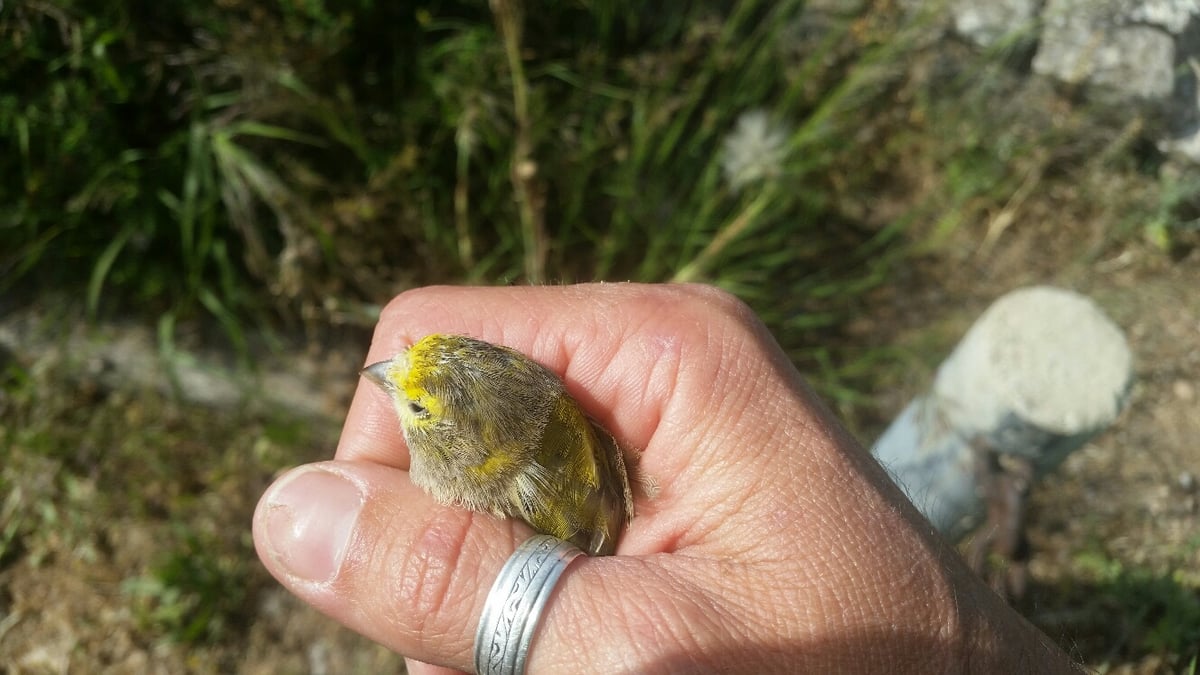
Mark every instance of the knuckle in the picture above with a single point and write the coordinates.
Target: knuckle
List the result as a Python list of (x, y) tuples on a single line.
[(403, 304), (712, 302), (428, 575), (725, 316)]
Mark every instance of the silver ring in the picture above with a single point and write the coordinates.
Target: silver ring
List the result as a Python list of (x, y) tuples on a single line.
[(515, 604)]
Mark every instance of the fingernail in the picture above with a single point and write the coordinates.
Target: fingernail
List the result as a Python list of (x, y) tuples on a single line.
[(309, 519)]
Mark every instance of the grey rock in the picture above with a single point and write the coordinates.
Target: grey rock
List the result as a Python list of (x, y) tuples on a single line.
[(1102, 43), (986, 23), (1145, 52)]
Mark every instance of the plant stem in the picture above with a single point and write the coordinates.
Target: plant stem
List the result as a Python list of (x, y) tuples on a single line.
[(464, 142), (523, 172), (742, 222)]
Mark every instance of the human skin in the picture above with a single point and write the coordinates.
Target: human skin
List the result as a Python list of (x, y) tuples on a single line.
[(775, 543)]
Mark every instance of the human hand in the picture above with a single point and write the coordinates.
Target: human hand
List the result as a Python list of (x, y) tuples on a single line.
[(775, 542)]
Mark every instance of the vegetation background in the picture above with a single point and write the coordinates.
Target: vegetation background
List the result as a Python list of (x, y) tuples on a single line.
[(236, 187)]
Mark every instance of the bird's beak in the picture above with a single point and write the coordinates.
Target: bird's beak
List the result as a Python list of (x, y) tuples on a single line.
[(377, 373)]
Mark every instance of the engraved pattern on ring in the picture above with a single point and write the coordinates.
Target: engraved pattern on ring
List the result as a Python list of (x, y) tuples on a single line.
[(515, 606)]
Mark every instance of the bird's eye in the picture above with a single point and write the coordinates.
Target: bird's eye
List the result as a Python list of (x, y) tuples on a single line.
[(416, 408)]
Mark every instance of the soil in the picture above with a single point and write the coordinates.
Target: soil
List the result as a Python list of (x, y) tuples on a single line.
[(84, 587), (1115, 532)]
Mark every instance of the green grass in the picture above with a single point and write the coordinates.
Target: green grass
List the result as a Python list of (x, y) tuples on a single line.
[(166, 508), (298, 167), (1139, 610), (299, 163), (279, 165)]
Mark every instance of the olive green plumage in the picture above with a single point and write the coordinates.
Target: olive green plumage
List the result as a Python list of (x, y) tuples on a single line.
[(492, 430)]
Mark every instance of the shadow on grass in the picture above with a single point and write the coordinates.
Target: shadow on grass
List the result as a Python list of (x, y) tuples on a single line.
[(1126, 616)]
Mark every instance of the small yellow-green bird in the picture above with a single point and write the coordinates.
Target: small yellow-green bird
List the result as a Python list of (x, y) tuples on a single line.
[(492, 430)]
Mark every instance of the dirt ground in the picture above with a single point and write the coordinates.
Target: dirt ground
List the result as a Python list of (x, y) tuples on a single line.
[(1115, 531), (83, 587)]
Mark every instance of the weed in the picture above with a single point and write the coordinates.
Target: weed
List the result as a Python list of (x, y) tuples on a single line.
[(196, 592), (284, 168), (1155, 612)]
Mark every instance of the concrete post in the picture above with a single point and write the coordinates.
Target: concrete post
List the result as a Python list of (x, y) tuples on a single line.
[(1041, 371)]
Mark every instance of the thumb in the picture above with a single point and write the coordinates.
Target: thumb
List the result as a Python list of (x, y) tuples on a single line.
[(362, 544)]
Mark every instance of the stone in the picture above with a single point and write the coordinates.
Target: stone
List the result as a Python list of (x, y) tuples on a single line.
[(986, 23), (1145, 52), (1100, 43)]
